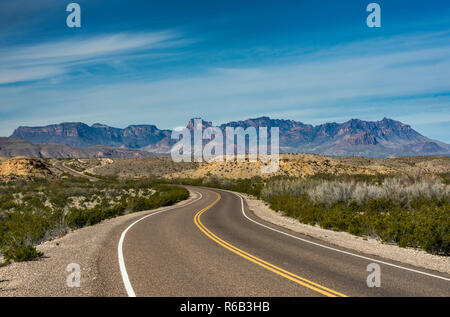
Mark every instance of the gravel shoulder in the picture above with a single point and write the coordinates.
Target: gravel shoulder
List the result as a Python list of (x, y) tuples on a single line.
[(47, 276), (86, 247), (370, 246)]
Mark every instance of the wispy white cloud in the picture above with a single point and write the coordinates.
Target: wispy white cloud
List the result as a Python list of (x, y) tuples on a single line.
[(301, 84), (13, 75), (392, 77), (27, 63), (81, 49)]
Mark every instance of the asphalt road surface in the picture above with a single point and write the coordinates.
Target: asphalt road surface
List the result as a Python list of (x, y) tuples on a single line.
[(211, 247)]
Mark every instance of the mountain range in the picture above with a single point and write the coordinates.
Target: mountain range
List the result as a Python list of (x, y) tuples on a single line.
[(382, 138)]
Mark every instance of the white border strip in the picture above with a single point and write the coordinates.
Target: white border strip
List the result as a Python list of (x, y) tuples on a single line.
[(123, 270), (334, 249)]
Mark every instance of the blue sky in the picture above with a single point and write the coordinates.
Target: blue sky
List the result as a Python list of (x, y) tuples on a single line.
[(163, 62)]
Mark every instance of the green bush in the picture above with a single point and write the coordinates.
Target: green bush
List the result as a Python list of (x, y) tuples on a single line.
[(413, 214), (33, 212), (21, 253), (78, 218)]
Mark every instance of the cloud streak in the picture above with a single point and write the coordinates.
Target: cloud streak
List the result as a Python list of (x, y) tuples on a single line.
[(323, 82), (28, 63), (397, 81)]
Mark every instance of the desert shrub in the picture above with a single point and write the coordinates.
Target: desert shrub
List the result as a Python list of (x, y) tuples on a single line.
[(408, 212), (36, 211), (251, 186), (164, 196), (27, 227), (414, 215), (358, 178), (21, 253), (331, 192), (445, 178)]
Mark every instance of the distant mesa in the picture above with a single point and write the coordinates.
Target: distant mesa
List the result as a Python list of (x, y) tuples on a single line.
[(12, 147), (352, 138)]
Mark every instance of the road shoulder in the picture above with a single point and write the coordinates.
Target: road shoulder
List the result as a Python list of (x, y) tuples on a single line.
[(47, 276), (368, 246)]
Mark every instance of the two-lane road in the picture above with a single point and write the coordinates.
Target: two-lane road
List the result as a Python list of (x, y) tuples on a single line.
[(61, 166), (214, 246)]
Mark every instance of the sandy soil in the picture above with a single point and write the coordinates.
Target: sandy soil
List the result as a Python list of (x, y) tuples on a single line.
[(367, 245)]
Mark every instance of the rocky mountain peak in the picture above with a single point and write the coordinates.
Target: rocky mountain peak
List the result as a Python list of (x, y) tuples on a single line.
[(354, 137)]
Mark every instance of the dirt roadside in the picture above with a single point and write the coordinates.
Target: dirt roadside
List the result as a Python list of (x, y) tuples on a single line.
[(371, 246), (47, 276)]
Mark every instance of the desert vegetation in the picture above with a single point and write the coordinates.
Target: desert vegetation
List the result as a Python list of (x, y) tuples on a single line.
[(408, 211), (35, 211), (129, 168), (400, 200), (409, 214)]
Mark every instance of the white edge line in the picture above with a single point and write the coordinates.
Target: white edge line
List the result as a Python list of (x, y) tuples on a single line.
[(123, 270), (334, 249)]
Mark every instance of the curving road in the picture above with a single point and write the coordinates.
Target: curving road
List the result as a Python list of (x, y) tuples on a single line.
[(61, 166), (212, 247)]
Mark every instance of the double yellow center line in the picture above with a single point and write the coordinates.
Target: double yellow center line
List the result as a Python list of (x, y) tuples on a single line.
[(275, 269)]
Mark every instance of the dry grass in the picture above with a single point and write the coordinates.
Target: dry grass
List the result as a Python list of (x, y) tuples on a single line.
[(329, 193)]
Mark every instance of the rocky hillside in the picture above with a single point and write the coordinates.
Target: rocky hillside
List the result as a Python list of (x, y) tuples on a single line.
[(291, 165), (352, 138), (10, 147), (22, 167)]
